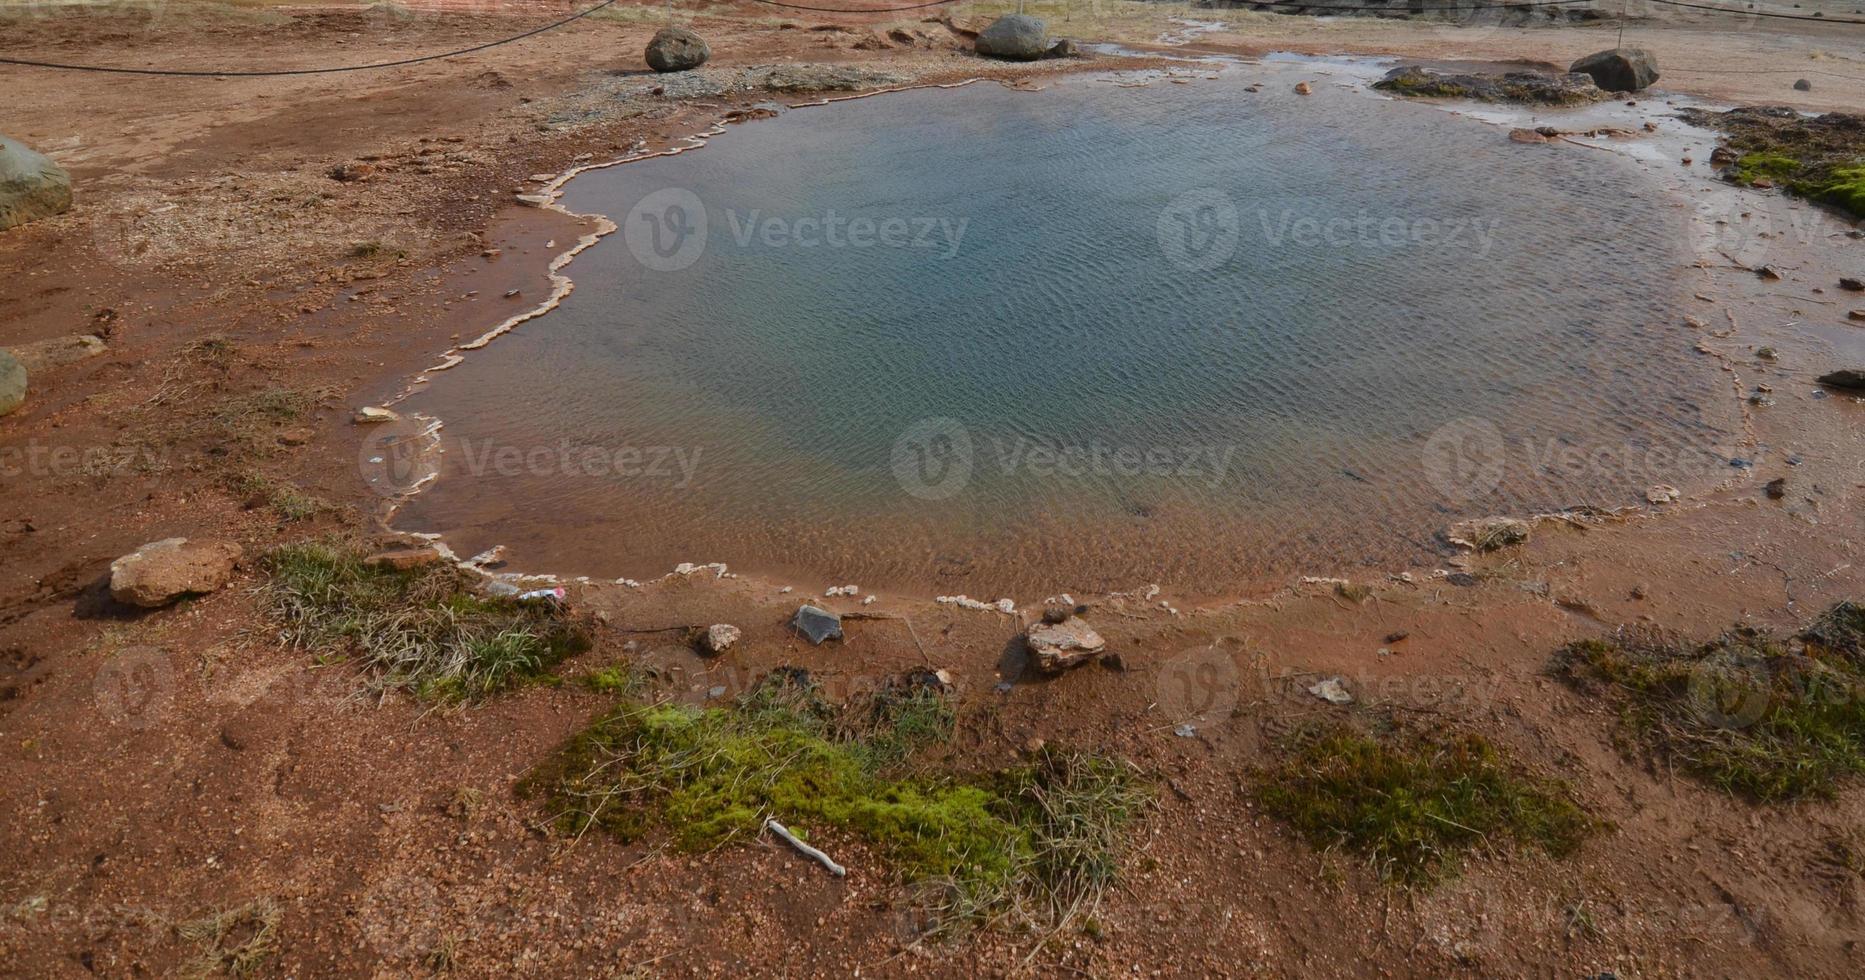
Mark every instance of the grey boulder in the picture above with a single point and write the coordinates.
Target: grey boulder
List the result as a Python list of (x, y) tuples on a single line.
[(1018, 37), (1619, 69), (31, 185), (817, 624), (677, 49), (12, 383)]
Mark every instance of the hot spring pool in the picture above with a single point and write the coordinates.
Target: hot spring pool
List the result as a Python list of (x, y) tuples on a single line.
[(1006, 342)]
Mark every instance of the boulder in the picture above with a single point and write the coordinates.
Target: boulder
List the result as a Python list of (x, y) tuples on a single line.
[(1802, 85), (817, 624), (161, 572), (12, 383), (720, 637), (1018, 37), (1619, 69), (1060, 646), (1851, 380), (677, 49), (31, 185)]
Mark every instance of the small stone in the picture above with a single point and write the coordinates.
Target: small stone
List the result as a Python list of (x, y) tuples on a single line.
[(1640, 592), (1033, 745), (1396, 635), (1776, 488), (1802, 85), (1184, 730), (717, 691), (1663, 493), (1303, 88), (1333, 690), (721, 636), (1852, 285), (371, 415), (404, 559), (817, 625), (1113, 662)]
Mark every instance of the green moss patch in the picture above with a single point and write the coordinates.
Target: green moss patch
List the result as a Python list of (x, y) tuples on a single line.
[(1041, 838), (1821, 158), (423, 630), (1415, 803), (1768, 718)]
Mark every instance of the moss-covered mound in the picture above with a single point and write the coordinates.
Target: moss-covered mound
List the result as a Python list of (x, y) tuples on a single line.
[(1036, 837), (1821, 158), (1516, 87), (1414, 803), (1769, 718)]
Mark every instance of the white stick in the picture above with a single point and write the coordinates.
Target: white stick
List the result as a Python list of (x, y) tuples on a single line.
[(808, 851)]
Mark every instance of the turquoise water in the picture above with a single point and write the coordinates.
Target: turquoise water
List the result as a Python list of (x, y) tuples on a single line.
[(1086, 338)]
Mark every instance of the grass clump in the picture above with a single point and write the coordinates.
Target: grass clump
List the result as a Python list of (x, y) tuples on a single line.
[(1041, 840), (1413, 803), (233, 942), (423, 630), (1750, 713)]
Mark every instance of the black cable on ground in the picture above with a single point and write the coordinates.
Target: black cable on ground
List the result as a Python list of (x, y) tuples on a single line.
[(1757, 13), (235, 73)]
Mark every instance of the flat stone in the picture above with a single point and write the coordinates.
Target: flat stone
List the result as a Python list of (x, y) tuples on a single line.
[(1060, 646), (44, 355), (404, 559), (1850, 379), (165, 571)]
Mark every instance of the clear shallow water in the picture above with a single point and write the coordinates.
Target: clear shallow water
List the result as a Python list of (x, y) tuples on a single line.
[(1005, 342)]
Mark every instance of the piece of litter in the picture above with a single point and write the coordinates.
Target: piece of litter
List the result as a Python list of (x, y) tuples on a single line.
[(1184, 731), (806, 850), (553, 596)]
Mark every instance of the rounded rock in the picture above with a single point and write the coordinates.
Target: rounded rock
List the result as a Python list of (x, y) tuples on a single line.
[(31, 185), (677, 49), (1018, 37)]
